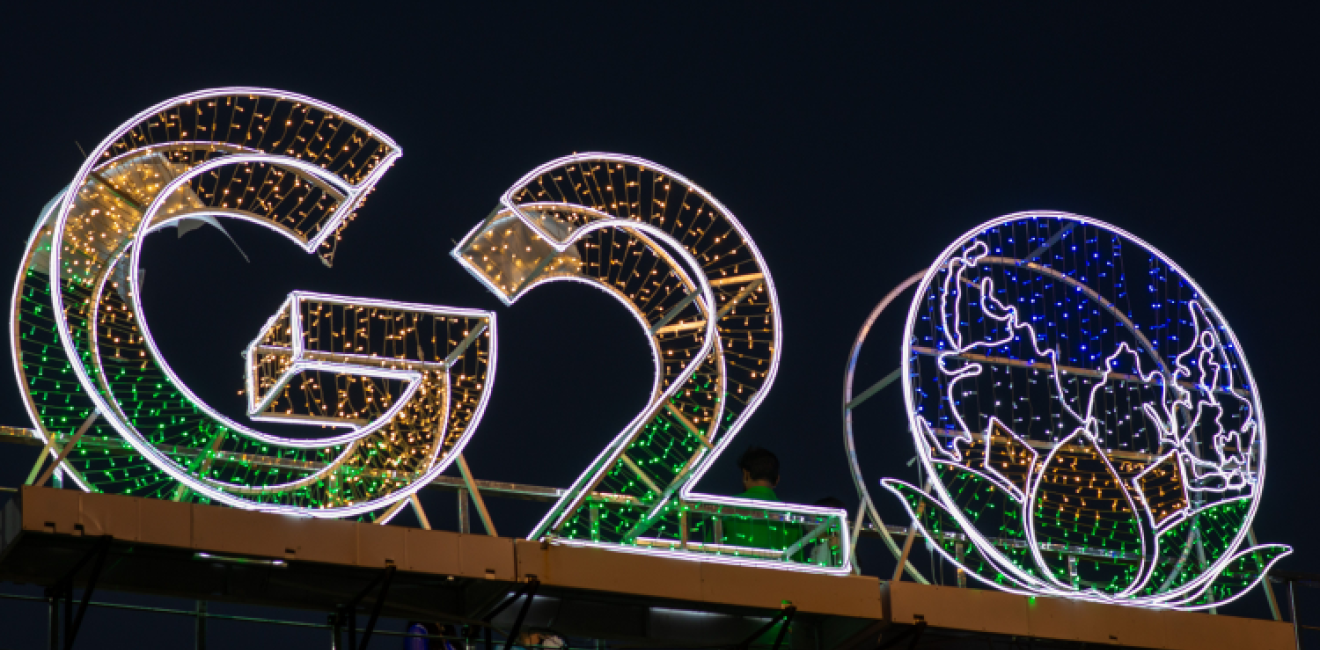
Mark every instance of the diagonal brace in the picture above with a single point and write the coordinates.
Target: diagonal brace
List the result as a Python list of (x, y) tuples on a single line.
[(785, 616), (64, 588), (349, 611), (528, 588), (915, 632), (522, 614)]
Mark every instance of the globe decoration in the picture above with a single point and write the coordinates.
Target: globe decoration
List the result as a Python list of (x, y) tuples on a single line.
[(393, 390), (1086, 422)]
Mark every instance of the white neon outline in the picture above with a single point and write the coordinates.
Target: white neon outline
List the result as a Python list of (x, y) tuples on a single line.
[(347, 205), (95, 349), (1180, 594), (1172, 520), (1206, 345), (987, 470), (990, 468), (1008, 316), (849, 442), (941, 493), (15, 306), (997, 560), (134, 278), (299, 364), (555, 517), (1180, 602), (696, 556), (703, 458), (1185, 603), (1148, 559)]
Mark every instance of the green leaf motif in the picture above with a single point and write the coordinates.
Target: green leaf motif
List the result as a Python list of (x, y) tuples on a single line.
[(1239, 575), (943, 528), (1215, 527)]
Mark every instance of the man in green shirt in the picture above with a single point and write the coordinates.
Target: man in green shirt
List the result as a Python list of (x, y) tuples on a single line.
[(760, 475)]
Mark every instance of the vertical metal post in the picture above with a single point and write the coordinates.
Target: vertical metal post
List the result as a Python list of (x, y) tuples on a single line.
[(201, 625), (1292, 604), (682, 526), (856, 532), (1072, 571), (68, 616), (960, 549), (54, 622), (464, 515), (593, 512)]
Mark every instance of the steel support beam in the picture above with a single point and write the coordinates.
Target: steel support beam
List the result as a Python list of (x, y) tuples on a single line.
[(915, 632), (529, 589), (522, 615), (348, 613), (64, 590), (200, 632), (87, 424), (475, 492), (784, 618)]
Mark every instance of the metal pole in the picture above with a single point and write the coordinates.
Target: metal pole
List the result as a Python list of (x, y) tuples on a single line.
[(907, 544), (962, 575), (68, 447), (54, 623), (464, 515), (1292, 604), (476, 496), (848, 399), (421, 513), (67, 623), (201, 625)]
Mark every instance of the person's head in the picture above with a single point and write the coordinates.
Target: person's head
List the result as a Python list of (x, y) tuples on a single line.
[(831, 502), (760, 468)]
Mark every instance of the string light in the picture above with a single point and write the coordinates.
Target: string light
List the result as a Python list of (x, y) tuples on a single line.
[(408, 382), (694, 281), (1149, 480)]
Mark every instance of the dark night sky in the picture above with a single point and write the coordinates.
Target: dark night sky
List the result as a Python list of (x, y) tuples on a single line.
[(854, 143)]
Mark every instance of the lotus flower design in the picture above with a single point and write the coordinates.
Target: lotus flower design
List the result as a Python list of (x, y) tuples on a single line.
[(1064, 451)]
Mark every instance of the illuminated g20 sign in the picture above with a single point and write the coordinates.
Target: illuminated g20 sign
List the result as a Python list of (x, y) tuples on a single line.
[(1085, 419), (400, 387)]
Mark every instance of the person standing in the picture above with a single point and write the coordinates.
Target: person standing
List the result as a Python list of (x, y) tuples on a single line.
[(760, 474), (760, 477)]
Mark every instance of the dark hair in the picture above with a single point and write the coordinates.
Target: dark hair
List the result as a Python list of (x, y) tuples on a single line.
[(761, 464), (831, 502)]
